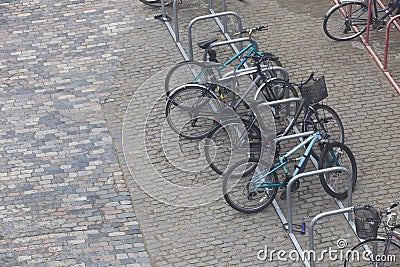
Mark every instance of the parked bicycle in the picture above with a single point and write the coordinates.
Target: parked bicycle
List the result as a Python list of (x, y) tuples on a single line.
[(251, 185), (348, 19), (190, 109), (247, 52), (225, 141), (271, 64), (374, 250)]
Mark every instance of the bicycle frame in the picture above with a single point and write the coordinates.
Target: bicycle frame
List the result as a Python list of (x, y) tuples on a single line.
[(250, 49), (389, 239), (257, 181), (241, 73), (389, 9)]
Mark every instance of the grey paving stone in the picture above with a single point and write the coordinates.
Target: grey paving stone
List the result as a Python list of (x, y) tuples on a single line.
[(69, 71)]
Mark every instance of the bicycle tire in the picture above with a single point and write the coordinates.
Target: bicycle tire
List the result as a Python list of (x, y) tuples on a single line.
[(284, 90), (219, 150), (337, 19), (272, 73), (230, 187), (156, 3), (334, 155), (358, 256), (189, 111), (186, 72), (332, 123)]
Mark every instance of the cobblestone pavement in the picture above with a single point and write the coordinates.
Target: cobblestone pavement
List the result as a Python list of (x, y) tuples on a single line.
[(83, 134)]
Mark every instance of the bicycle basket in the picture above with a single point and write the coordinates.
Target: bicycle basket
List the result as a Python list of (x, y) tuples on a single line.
[(367, 220), (314, 90)]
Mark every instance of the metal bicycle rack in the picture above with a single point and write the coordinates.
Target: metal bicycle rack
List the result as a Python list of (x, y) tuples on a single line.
[(287, 223), (321, 215), (216, 16)]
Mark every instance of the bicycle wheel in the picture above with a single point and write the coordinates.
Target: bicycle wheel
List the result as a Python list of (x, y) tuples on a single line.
[(284, 112), (330, 125), (270, 72), (156, 3), (240, 189), (371, 252), (346, 21), (191, 111), (226, 144), (187, 72), (337, 155)]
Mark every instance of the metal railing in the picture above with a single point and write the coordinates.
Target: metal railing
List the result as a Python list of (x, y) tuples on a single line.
[(367, 45)]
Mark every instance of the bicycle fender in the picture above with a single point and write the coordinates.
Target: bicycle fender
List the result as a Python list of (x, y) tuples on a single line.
[(259, 89), (187, 85)]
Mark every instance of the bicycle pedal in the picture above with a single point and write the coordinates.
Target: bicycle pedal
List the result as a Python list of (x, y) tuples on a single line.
[(379, 26)]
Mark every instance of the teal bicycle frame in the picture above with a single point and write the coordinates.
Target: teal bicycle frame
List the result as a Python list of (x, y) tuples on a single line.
[(251, 49), (258, 181)]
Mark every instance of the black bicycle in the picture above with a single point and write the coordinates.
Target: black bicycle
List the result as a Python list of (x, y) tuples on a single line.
[(227, 143), (347, 20)]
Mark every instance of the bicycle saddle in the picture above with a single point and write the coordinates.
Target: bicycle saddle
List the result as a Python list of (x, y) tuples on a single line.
[(206, 44)]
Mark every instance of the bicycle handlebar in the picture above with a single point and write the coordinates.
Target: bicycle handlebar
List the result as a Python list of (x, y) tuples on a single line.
[(309, 79), (250, 31), (389, 209)]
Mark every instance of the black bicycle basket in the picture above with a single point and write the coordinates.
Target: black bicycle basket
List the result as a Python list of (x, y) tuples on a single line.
[(314, 90), (367, 220)]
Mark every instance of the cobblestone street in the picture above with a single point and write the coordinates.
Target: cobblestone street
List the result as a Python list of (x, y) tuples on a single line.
[(88, 176)]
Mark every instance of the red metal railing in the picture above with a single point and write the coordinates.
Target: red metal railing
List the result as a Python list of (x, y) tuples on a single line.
[(392, 21), (365, 41)]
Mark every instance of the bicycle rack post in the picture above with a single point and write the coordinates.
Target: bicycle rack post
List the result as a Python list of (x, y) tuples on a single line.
[(175, 32), (222, 26), (306, 174), (387, 41), (383, 66), (216, 15), (316, 219), (211, 6)]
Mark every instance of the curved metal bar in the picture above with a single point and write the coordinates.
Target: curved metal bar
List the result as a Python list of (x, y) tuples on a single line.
[(226, 13), (306, 174), (391, 21), (315, 220)]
